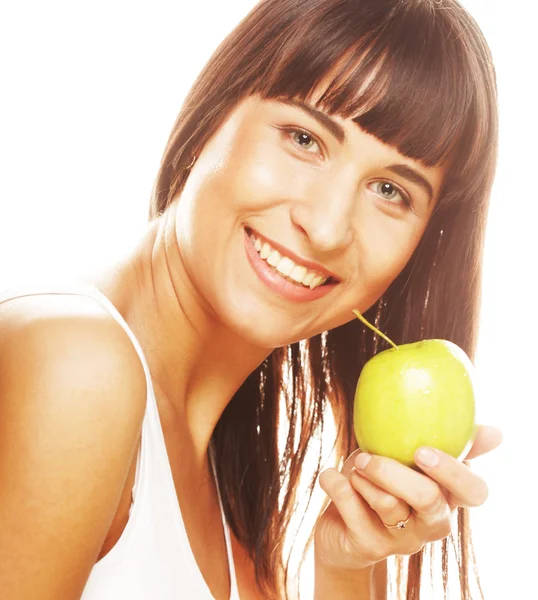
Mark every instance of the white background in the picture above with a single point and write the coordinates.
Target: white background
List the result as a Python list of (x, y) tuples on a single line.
[(89, 93)]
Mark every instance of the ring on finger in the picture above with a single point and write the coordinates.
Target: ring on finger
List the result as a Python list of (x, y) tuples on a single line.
[(399, 524)]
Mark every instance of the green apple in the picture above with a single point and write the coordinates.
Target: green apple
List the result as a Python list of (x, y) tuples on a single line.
[(413, 395)]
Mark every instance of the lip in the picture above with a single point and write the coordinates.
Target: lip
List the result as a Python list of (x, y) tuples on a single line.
[(295, 258), (276, 283)]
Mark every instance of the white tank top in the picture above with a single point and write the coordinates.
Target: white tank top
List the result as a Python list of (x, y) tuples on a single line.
[(153, 559)]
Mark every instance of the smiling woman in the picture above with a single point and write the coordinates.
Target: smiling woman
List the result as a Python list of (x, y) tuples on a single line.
[(422, 102), (327, 158), (320, 208)]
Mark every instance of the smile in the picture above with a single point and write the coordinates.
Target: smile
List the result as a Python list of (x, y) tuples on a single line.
[(285, 266), (279, 272)]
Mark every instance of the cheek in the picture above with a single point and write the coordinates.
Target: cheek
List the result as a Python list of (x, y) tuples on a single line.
[(257, 174), (386, 249)]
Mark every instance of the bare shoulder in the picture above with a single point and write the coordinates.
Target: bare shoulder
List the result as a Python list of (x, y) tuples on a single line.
[(72, 399), (69, 342), (67, 326)]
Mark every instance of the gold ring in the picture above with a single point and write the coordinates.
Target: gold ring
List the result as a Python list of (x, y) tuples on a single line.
[(399, 524)]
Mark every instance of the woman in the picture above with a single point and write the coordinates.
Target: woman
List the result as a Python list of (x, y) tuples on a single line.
[(332, 155)]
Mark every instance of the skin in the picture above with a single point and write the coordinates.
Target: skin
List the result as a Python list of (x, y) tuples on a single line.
[(372, 491), (205, 320)]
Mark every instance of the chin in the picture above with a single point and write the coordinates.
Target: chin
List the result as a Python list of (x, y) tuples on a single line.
[(266, 331), (266, 335)]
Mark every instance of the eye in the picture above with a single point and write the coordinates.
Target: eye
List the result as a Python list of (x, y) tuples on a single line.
[(305, 140), (391, 193)]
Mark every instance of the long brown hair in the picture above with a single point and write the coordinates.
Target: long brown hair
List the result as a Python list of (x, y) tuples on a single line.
[(432, 95)]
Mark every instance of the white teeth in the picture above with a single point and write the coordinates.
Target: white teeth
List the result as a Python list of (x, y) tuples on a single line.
[(317, 281), (274, 258), (298, 273), (286, 267), (309, 278), (265, 251)]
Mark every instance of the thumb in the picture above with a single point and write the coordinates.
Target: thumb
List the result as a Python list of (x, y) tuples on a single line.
[(487, 439)]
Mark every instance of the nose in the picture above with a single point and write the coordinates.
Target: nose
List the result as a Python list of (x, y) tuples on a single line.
[(326, 215)]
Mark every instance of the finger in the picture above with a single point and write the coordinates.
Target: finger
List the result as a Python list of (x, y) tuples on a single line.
[(487, 439), (390, 509), (464, 487), (418, 490), (349, 465), (394, 515), (353, 509)]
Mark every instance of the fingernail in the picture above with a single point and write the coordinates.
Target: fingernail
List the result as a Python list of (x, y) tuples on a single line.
[(427, 457), (362, 460)]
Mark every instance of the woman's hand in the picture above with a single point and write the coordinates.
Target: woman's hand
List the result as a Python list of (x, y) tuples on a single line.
[(380, 507)]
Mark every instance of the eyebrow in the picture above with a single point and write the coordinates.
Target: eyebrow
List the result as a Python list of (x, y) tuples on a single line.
[(322, 118), (405, 171)]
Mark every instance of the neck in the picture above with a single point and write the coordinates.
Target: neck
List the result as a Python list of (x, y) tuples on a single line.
[(196, 363)]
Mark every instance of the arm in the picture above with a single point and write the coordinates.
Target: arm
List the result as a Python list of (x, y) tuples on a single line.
[(369, 583), (72, 395)]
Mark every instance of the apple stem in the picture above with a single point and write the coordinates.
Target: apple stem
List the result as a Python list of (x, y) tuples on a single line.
[(361, 318)]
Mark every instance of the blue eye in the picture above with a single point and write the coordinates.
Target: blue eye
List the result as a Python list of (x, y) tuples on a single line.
[(389, 192)]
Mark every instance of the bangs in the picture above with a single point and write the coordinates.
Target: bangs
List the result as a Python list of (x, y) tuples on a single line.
[(411, 80), (416, 74)]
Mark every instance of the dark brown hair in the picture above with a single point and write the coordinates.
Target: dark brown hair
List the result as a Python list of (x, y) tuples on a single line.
[(431, 93)]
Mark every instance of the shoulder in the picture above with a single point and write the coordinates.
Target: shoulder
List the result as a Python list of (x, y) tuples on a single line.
[(65, 353), (72, 400), (69, 335)]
